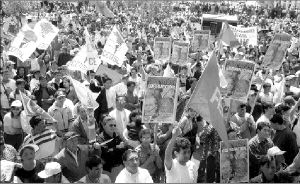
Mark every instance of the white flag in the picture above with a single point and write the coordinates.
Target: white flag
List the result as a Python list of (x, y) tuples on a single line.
[(115, 48), (46, 32)]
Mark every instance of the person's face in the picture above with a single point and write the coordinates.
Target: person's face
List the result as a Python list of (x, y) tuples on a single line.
[(82, 113), (131, 88), (270, 111), (132, 163), (47, 58), (21, 86), (107, 84), (16, 110), (54, 66), (264, 133), (133, 72), (54, 179), (72, 144), (43, 82), (66, 83), (184, 71), (241, 110), (37, 75), (40, 127), (275, 126), (6, 75), (269, 170), (28, 154), (146, 139), (61, 99), (183, 155), (120, 102), (96, 172), (58, 76), (110, 127), (21, 71), (192, 112)]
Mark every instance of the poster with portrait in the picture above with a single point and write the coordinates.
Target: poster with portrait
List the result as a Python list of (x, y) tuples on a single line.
[(162, 48), (201, 40), (234, 161), (180, 52), (160, 101), (238, 74), (276, 51)]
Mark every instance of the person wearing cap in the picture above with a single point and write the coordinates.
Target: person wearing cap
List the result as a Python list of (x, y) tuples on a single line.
[(258, 146), (61, 112), (284, 138), (15, 95), (73, 157), (44, 94), (13, 130), (30, 167), (47, 139), (7, 86), (279, 158), (94, 167), (53, 173)]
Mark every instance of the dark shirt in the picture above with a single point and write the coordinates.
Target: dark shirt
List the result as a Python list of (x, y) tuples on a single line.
[(63, 58), (30, 176), (286, 141), (257, 111), (133, 132)]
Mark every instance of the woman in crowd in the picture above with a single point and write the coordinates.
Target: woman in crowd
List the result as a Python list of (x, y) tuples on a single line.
[(69, 89)]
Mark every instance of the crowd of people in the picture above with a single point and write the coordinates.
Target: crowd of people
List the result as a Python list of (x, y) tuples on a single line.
[(111, 143)]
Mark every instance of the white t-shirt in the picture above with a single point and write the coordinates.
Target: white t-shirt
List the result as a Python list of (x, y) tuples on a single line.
[(142, 176), (181, 173), (297, 132)]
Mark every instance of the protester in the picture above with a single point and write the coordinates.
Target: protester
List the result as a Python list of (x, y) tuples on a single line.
[(52, 173)]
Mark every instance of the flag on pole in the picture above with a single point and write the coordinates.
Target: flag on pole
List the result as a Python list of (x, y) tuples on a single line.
[(227, 37), (206, 98), (31, 108)]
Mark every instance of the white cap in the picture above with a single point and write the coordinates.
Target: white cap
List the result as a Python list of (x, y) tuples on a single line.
[(51, 169), (275, 151), (16, 103)]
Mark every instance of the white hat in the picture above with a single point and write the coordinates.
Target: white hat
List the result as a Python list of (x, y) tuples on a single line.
[(275, 151), (51, 169), (16, 103), (290, 77), (33, 146)]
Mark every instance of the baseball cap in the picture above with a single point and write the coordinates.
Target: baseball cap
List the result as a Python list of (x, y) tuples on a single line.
[(33, 146), (70, 135), (51, 169), (275, 151), (16, 103)]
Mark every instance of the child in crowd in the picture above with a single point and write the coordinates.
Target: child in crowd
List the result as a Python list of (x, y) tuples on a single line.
[(149, 155), (133, 129)]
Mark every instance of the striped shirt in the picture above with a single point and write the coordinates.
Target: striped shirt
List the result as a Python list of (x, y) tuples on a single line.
[(47, 142)]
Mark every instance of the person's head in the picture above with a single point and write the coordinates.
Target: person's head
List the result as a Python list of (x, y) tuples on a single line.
[(52, 173), (60, 97), (289, 101), (36, 74), (37, 124), (109, 125), (125, 79), (182, 150), (107, 82), (66, 82), (47, 58), (91, 74), (191, 112), (82, 111), (145, 136), (130, 86), (133, 72), (94, 166), (58, 74), (21, 71), (278, 154), (184, 70), (267, 87), (268, 109), (263, 130), (2, 142), (120, 102), (131, 161), (251, 96), (241, 110), (284, 110), (16, 108), (20, 83), (27, 152), (6, 75), (43, 81), (53, 65), (277, 122), (232, 134), (71, 141), (267, 167)]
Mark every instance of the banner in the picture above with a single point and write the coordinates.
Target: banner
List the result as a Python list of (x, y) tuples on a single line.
[(206, 98), (162, 48), (276, 51), (92, 60), (160, 100), (227, 37), (112, 74), (234, 161), (115, 48), (201, 40), (180, 52), (238, 75), (78, 62), (245, 35), (24, 44), (46, 32)]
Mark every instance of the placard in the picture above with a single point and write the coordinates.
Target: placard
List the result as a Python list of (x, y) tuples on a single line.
[(162, 48), (201, 40), (180, 52)]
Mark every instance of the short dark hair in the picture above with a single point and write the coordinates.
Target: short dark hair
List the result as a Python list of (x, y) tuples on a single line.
[(277, 118), (93, 161), (34, 121), (242, 105), (133, 114), (129, 83), (145, 132), (266, 106), (105, 79), (127, 153), (181, 143), (20, 81), (261, 125)]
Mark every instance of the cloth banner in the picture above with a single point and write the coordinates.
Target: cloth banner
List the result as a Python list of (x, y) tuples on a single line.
[(162, 48), (180, 52), (46, 32), (112, 74), (115, 48), (245, 35), (160, 101), (238, 75), (276, 51)]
